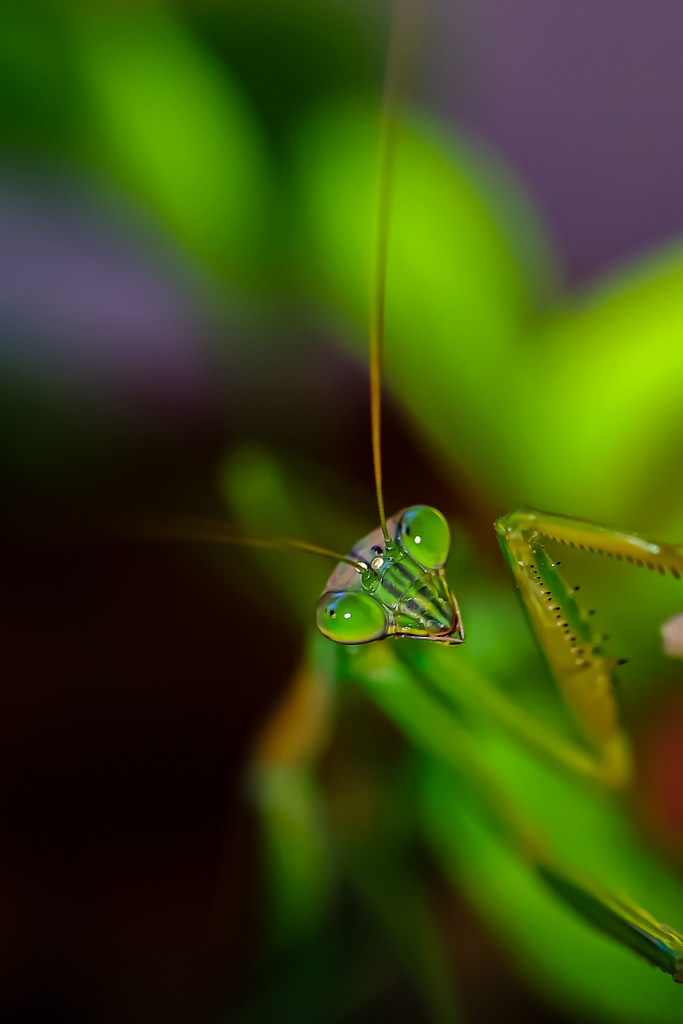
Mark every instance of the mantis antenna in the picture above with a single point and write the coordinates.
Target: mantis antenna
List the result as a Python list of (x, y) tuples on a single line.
[(190, 528), (400, 63)]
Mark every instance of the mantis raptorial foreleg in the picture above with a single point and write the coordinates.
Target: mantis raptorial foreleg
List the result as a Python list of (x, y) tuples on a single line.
[(572, 647)]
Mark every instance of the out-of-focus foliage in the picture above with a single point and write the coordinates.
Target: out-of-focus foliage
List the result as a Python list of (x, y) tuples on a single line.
[(528, 402), (240, 140), (461, 286), (552, 945), (176, 128), (568, 404)]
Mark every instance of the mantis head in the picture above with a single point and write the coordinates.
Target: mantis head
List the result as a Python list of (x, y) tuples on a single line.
[(397, 586)]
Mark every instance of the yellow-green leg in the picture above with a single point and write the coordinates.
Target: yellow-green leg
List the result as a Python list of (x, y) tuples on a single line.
[(564, 629)]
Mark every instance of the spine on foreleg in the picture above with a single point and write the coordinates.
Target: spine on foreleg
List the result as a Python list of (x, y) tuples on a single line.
[(582, 670)]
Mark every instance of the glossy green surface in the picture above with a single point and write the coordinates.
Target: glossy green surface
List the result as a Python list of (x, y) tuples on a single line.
[(351, 618), (426, 535)]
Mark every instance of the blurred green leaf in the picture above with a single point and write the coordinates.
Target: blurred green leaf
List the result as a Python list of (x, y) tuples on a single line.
[(296, 857), (555, 949), (292, 56), (464, 272), (173, 124), (574, 411), (392, 891), (270, 500), (39, 86), (259, 499), (611, 364), (297, 850)]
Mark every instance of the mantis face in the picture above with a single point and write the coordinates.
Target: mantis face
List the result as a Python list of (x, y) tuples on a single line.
[(401, 589)]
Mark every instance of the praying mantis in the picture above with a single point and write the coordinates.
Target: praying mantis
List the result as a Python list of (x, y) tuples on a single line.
[(400, 644)]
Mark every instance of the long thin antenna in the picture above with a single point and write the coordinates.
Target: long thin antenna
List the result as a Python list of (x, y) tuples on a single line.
[(398, 74), (208, 531)]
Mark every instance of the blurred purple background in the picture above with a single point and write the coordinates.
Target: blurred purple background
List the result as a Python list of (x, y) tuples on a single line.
[(92, 301), (585, 102)]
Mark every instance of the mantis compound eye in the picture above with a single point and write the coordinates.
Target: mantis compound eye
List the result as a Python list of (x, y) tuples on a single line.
[(425, 535), (351, 618)]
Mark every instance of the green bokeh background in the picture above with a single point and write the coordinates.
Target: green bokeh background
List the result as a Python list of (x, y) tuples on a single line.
[(236, 143)]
